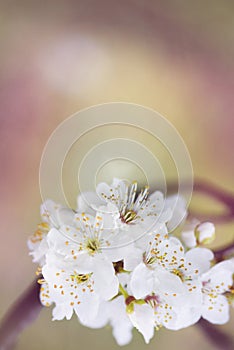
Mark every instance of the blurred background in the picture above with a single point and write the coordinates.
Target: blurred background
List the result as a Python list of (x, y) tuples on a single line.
[(58, 57)]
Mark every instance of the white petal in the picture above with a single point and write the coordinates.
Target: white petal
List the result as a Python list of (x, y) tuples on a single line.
[(219, 278), (200, 259), (142, 281), (106, 283), (87, 202), (122, 333), (49, 212), (165, 215), (157, 199), (62, 310), (38, 251), (227, 265), (188, 238), (188, 307), (132, 259), (143, 319), (101, 318), (188, 235), (122, 326), (103, 191), (55, 239), (166, 316), (115, 194), (87, 310), (109, 214), (84, 263), (121, 187), (60, 243), (114, 253), (65, 216), (170, 252), (215, 310), (166, 282), (45, 289)]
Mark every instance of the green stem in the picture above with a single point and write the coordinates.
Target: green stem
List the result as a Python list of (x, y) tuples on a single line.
[(123, 291)]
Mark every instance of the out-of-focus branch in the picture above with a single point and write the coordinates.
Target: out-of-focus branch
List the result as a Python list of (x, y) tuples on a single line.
[(218, 339), (224, 253), (220, 195), (22, 313)]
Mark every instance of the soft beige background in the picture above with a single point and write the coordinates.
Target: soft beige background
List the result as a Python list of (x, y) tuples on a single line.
[(58, 57)]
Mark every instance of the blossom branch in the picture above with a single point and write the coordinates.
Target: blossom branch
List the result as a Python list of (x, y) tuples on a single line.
[(22, 313), (28, 306)]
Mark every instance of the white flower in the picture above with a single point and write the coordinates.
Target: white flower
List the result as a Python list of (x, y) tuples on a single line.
[(132, 208), (216, 282), (135, 214), (86, 256), (171, 276), (69, 289), (53, 215), (168, 296), (170, 255), (138, 248)]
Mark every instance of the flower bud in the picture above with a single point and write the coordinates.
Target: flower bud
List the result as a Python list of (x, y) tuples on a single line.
[(205, 233)]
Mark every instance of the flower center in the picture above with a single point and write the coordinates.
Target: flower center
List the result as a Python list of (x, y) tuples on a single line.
[(92, 245), (178, 273), (149, 260), (131, 205), (128, 217), (80, 278), (153, 300)]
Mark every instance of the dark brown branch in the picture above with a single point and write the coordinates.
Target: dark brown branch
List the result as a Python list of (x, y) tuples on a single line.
[(218, 339), (22, 313)]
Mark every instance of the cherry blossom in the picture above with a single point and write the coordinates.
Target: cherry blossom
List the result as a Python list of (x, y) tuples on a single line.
[(116, 261)]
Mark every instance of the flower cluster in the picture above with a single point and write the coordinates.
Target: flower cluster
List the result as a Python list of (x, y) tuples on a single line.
[(113, 261)]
